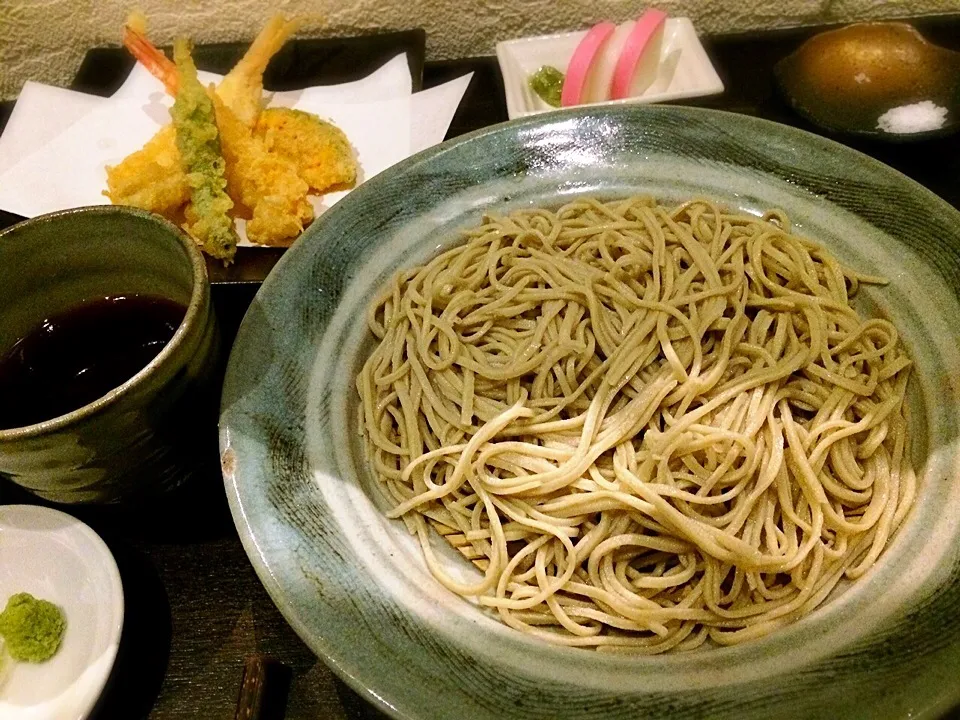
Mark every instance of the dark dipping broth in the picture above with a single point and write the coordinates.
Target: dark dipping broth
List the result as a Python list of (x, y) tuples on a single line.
[(75, 357)]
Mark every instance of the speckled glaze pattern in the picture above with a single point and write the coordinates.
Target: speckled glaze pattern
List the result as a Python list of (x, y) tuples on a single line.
[(144, 436), (353, 584)]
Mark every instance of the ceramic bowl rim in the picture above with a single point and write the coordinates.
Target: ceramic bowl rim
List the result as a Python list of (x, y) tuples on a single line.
[(336, 658)]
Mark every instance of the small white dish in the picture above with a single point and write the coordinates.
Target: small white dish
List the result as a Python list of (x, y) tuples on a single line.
[(685, 70), (55, 557)]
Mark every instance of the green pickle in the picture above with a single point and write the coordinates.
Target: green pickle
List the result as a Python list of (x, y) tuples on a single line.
[(547, 83)]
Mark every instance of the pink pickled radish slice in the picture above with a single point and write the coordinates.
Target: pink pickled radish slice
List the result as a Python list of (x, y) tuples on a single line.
[(638, 64), (604, 64), (579, 71)]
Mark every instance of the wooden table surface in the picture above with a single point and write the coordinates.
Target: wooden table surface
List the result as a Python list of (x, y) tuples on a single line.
[(194, 607)]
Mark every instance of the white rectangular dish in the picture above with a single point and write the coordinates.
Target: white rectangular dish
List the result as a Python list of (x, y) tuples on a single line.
[(685, 70)]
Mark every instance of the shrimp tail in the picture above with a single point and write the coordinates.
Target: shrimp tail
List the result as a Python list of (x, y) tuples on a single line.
[(242, 89), (148, 55)]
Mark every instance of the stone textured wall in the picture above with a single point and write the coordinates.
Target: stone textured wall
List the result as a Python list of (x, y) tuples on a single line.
[(44, 40)]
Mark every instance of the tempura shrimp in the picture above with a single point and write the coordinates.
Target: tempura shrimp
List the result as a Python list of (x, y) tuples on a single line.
[(242, 89), (264, 182)]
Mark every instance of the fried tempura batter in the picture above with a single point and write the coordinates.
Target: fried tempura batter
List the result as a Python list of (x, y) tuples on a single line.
[(320, 150), (271, 159), (198, 141), (264, 182), (151, 178)]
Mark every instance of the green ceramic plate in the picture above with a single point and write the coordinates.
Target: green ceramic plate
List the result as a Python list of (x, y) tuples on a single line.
[(353, 584)]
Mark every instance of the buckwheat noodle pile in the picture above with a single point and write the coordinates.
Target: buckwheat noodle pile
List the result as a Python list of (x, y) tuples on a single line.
[(649, 427)]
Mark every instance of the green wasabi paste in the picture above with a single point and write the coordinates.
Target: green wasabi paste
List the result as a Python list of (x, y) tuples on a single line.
[(547, 82), (31, 628)]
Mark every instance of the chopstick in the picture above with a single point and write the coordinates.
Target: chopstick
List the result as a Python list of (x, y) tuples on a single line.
[(263, 689)]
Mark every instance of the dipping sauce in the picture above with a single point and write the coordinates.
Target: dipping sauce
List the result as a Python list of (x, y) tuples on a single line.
[(80, 355)]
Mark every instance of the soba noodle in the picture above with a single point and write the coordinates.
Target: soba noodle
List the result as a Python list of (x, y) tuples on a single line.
[(648, 427)]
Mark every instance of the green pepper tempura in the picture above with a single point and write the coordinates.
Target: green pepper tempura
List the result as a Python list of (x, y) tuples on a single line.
[(547, 82), (198, 141), (32, 629)]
